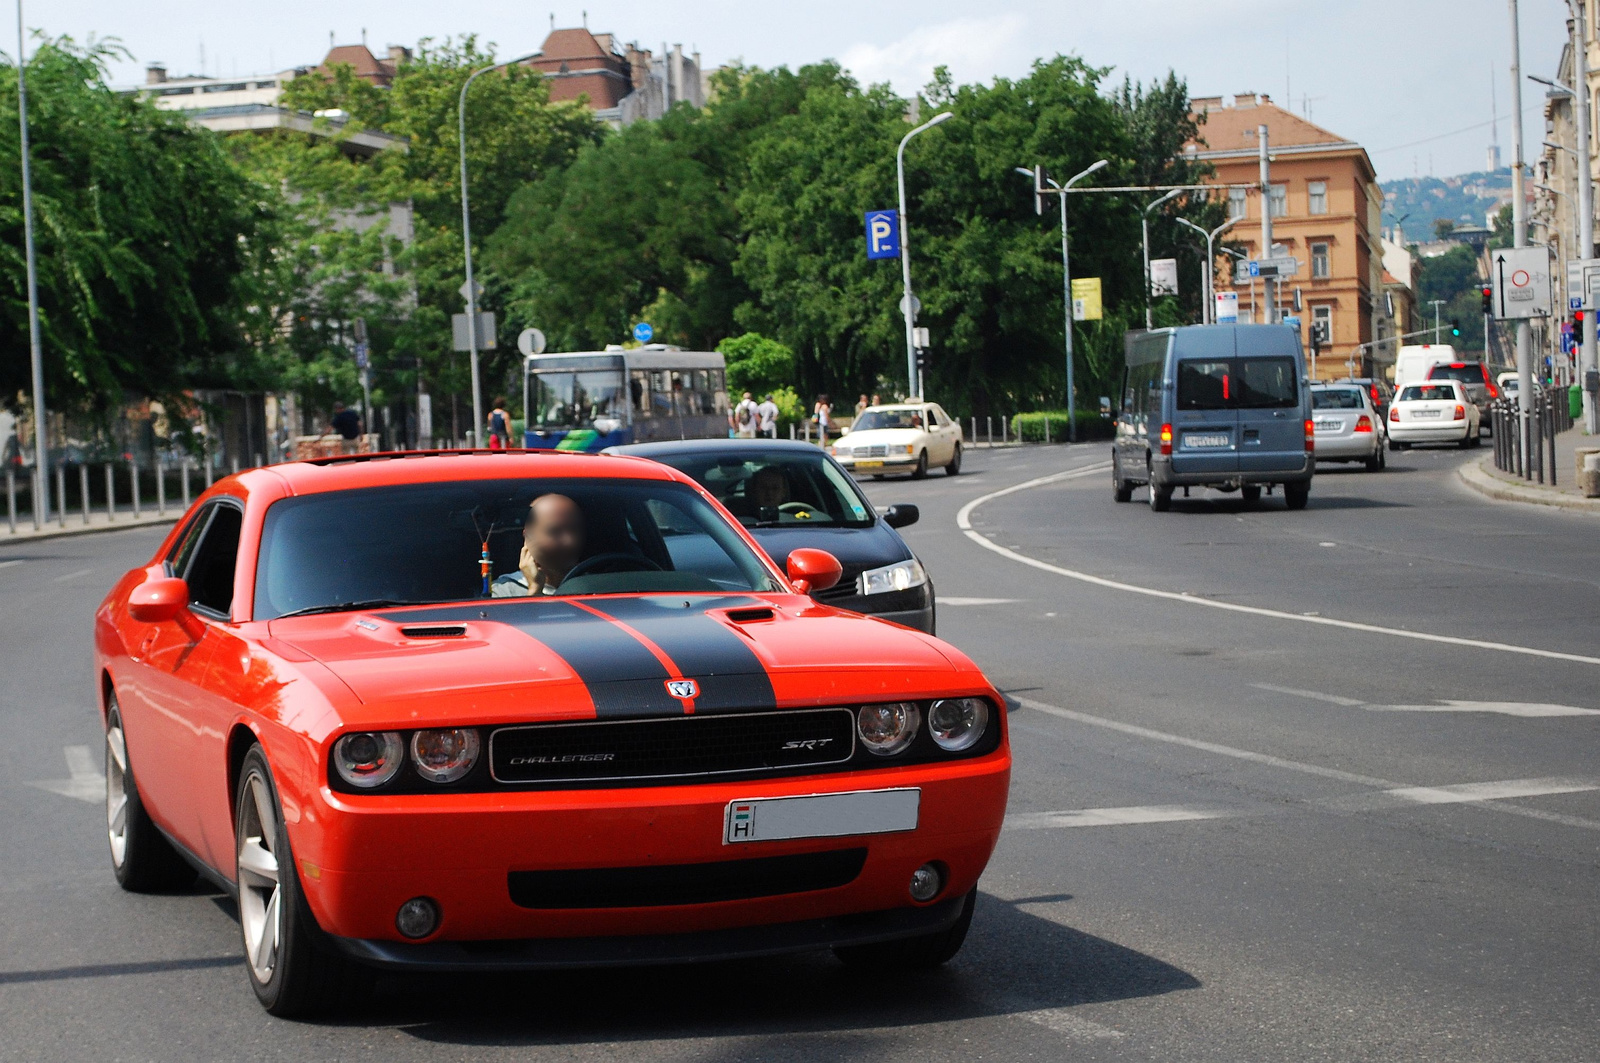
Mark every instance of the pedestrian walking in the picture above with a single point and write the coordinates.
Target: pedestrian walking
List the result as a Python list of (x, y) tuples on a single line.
[(768, 412), (822, 412), (746, 416), (499, 425), (346, 424)]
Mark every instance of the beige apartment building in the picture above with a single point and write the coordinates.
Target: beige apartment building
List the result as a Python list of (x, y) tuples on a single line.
[(1326, 213)]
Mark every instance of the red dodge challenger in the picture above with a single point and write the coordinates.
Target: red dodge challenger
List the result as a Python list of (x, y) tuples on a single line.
[(521, 711)]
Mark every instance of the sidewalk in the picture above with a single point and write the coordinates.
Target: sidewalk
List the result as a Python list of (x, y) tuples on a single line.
[(98, 522), (1484, 478)]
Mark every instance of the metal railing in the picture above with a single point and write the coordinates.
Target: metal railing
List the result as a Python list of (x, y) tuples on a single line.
[(1550, 416), (119, 491)]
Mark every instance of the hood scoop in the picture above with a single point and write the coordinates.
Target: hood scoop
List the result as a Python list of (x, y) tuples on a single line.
[(746, 616), (435, 631)]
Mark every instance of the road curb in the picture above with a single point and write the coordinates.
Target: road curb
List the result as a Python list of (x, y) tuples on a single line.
[(91, 529), (1475, 474)]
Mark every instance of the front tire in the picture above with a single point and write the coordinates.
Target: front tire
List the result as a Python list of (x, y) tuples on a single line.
[(921, 471), (912, 954), (141, 857), (291, 966), (954, 468), (1297, 493)]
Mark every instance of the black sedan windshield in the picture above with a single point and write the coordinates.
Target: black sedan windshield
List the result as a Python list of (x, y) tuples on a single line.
[(423, 543), (782, 486)]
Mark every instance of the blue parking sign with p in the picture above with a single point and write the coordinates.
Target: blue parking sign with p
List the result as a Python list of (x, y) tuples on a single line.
[(883, 234)]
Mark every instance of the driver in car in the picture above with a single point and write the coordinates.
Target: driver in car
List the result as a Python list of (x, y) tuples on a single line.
[(768, 492), (552, 543)]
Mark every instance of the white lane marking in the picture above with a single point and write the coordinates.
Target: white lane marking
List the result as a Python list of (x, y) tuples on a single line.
[(964, 522), (86, 783), (1063, 1022), (1461, 794), (1333, 698), (1295, 765), (950, 599), (74, 575), (14, 561), (1112, 817), (1503, 708)]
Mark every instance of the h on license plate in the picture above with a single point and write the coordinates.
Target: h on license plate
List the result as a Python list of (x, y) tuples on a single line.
[(1217, 439), (771, 819)]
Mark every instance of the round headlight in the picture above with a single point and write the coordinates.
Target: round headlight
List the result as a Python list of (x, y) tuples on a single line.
[(368, 758), (888, 729), (958, 723), (444, 756)]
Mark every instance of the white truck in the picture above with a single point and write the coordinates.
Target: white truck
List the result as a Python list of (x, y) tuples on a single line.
[(1414, 360)]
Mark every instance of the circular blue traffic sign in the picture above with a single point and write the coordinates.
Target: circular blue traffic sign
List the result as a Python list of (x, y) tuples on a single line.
[(642, 332)]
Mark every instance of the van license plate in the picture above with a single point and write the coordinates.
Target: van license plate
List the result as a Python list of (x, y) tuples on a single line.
[(1195, 440), (838, 815)]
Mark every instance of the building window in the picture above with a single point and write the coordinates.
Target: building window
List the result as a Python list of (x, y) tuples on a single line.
[(1320, 269), (1317, 197), (1280, 200), (1237, 201), (1322, 322)]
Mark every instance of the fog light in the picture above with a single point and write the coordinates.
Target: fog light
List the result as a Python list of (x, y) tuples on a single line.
[(419, 917), (926, 882)]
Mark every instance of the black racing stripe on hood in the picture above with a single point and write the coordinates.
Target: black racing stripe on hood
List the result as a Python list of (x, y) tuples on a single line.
[(730, 675), (624, 678)]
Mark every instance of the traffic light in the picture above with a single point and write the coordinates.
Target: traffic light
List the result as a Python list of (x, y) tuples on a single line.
[(1577, 327), (1488, 300), (1455, 329)]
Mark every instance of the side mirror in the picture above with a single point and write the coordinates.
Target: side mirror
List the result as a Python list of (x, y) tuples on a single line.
[(157, 600), (813, 570), (902, 515)]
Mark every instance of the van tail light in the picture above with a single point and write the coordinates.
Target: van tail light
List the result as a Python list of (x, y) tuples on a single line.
[(1311, 434), (1494, 392), (1394, 413), (1166, 439), (1363, 423), (1461, 412)]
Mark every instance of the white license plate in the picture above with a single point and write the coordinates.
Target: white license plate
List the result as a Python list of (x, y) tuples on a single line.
[(1329, 426), (1195, 440), (1426, 415), (772, 819)]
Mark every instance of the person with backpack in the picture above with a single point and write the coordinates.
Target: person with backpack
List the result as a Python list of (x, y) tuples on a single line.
[(499, 426), (746, 415)]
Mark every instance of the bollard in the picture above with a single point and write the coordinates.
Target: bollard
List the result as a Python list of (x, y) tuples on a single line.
[(1005, 430), (183, 480), (1555, 420), (83, 490), (257, 465), (11, 499), (1047, 428), (161, 489), (235, 465), (111, 494), (791, 431), (35, 488), (133, 478), (61, 494), (974, 436), (988, 423), (1589, 479), (205, 456)]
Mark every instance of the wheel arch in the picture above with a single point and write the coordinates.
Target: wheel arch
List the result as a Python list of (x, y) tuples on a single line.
[(240, 740), (107, 691)]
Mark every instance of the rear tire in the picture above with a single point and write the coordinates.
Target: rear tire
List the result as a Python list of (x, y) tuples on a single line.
[(954, 468), (1467, 440), (912, 954), (921, 471), (292, 967), (1121, 490), (141, 857), (1297, 493), (1160, 498), (1375, 462)]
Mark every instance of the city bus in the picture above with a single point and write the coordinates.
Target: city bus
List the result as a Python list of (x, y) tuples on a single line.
[(590, 400)]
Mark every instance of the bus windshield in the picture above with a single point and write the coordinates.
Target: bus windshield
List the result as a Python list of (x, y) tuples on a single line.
[(579, 399)]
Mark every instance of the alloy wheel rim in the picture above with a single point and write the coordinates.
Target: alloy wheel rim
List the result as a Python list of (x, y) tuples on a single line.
[(260, 899), (117, 792)]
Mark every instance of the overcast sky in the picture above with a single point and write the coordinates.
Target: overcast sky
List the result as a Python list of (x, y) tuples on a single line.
[(1406, 78)]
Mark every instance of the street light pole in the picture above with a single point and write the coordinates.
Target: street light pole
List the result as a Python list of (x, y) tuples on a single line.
[(466, 241), (1208, 308), (1144, 229), (913, 382), (41, 446), (1519, 237), (1435, 303)]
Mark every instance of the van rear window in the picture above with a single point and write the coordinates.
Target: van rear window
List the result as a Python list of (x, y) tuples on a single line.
[(1267, 383), (1204, 385), (1237, 384)]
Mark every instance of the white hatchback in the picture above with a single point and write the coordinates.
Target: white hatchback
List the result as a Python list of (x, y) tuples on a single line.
[(1437, 411), (905, 437), (1346, 426)]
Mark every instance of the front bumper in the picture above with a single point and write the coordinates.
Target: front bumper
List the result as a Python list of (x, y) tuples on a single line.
[(362, 857), (879, 466)]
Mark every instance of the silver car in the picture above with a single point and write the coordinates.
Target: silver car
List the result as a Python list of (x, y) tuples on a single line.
[(1346, 426)]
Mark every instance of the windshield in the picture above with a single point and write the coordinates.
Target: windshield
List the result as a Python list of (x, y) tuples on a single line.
[(1428, 392), (888, 419), (1469, 373), (774, 488), (421, 543), (589, 399), (1337, 399)]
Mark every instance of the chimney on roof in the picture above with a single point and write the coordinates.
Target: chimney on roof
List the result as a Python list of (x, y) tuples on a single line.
[(155, 73), (363, 36), (399, 53)]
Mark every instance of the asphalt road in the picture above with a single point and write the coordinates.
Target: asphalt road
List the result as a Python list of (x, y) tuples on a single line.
[(1330, 792)]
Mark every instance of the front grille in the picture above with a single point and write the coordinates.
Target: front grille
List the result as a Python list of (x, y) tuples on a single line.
[(595, 751), (877, 450), (650, 887), (845, 588)]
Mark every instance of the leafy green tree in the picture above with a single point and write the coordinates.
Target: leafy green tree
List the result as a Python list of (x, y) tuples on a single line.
[(1453, 277), (147, 241), (757, 364)]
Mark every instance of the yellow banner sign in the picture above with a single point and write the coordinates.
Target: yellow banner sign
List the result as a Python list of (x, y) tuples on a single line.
[(1086, 299)]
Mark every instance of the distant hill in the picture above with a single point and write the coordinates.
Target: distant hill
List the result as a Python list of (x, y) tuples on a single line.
[(1466, 199)]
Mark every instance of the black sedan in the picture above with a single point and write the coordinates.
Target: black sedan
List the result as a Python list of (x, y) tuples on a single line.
[(791, 494)]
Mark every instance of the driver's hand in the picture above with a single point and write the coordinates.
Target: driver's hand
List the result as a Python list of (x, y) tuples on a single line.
[(531, 571)]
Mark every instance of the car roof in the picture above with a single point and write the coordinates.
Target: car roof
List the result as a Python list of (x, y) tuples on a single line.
[(710, 446), (900, 406), (356, 471)]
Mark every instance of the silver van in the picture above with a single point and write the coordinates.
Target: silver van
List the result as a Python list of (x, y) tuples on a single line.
[(1221, 406)]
